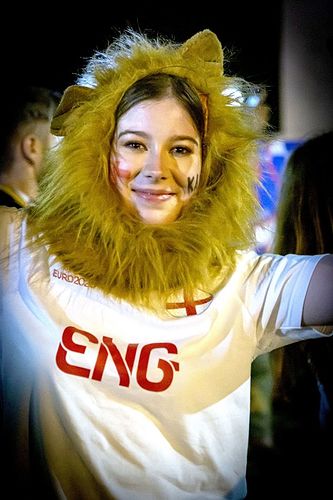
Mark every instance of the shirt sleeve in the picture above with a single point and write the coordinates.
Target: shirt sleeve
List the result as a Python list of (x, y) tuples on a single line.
[(275, 291)]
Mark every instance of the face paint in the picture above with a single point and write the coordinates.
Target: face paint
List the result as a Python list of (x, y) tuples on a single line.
[(122, 173), (192, 183)]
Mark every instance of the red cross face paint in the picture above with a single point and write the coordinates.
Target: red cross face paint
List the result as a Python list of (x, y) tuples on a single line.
[(156, 159)]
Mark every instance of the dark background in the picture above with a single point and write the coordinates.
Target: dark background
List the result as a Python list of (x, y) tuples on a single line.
[(49, 44)]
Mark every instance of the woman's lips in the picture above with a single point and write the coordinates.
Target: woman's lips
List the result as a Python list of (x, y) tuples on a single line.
[(154, 196)]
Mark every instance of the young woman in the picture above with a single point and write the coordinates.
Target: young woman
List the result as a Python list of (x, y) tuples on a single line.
[(132, 307)]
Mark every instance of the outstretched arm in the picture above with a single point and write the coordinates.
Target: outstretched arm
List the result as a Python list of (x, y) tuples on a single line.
[(318, 304)]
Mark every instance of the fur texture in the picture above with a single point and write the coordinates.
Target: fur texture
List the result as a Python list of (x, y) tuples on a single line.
[(79, 215)]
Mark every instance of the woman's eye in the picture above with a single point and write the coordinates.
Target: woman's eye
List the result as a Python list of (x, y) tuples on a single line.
[(181, 150), (133, 145)]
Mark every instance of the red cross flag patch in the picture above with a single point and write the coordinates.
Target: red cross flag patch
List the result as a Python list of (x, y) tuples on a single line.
[(186, 306)]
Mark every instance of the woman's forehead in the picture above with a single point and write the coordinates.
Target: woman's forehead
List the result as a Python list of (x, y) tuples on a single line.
[(165, 112)]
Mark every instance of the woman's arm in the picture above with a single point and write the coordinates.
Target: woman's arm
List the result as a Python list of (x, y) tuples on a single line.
[(318, 304)]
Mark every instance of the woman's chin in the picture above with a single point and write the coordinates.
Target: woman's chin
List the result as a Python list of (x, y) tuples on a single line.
[(157, 216)]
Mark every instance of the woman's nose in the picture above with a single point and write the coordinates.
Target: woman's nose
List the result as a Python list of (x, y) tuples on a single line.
[(156, 168)]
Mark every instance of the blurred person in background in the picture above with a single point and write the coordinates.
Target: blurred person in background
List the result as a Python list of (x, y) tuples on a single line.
[(25, 137), (303, 372), (292, 388)]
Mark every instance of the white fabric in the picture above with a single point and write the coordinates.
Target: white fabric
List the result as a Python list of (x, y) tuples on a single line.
[(167, 420)]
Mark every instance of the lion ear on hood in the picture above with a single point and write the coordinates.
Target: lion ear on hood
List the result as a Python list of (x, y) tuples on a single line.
[(205, 45), (73, 96)]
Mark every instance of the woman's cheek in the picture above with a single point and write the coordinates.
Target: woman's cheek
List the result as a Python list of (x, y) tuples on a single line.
[(119, 171), (188, 181), (192, 183), (189, 187), (122, 172)]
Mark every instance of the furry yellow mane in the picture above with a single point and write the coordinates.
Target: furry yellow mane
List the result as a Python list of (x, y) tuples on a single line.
[(78, 214)]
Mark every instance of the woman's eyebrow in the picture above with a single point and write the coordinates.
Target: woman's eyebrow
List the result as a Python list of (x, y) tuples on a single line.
[(184, 138), (134, 132), (172, 138)]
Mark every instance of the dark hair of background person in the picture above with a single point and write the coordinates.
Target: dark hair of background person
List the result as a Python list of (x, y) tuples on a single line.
[(21, 106), (305, 210), (25, 137)]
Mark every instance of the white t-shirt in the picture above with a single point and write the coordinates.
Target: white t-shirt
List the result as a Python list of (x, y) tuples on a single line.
[(103, 400)]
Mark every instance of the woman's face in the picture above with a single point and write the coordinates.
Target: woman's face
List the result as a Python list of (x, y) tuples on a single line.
[(156, 159)]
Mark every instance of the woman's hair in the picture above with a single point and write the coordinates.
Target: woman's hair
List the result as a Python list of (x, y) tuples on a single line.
[(304, 223), (160, 85)]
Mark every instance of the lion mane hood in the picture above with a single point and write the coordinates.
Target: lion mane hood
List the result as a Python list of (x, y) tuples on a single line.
[(78, 214)]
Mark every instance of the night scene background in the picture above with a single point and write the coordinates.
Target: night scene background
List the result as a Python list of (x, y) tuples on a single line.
[(284, 45)]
